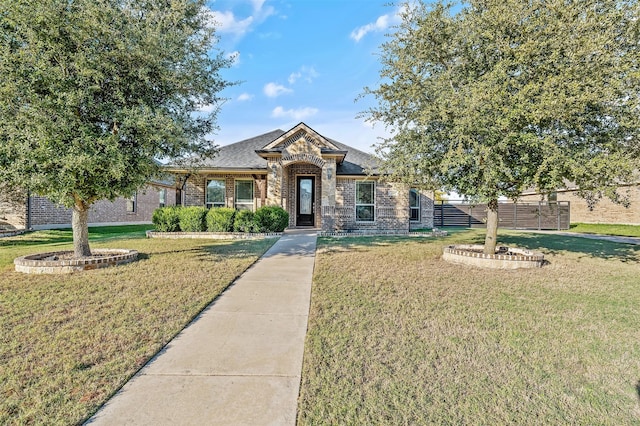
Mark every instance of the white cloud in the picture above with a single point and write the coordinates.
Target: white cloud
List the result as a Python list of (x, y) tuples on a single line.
[(228, 22), (245, 97), (382, 23), (273, 90), (294, 76), (296, 114), (308, 74)]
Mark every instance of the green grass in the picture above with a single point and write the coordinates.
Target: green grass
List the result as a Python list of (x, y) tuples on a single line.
[(68, 342), (397, 336), (606, 229)]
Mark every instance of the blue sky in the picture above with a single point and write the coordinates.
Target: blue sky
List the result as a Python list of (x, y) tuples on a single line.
[(301, 60)]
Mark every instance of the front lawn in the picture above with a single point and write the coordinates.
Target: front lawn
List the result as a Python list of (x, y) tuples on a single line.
[(67, 342), (606, 229), (397, 336)]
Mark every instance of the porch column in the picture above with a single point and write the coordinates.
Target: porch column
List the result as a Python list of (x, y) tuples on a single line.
[(274, 183), (328, 194)]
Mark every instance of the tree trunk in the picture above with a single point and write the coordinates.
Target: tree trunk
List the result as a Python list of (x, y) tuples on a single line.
[(80, 226), (491, 237)]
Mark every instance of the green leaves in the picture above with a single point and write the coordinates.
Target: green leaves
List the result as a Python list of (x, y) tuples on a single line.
[(93, 91), (503, 96)]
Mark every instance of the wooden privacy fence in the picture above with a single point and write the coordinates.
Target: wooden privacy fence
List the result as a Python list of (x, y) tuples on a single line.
[(541, 215)]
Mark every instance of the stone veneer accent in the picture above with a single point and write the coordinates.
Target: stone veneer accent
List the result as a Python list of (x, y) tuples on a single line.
[(43, 263)]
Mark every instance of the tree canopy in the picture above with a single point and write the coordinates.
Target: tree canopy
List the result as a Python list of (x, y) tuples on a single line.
[(92, 92), (489, 98)]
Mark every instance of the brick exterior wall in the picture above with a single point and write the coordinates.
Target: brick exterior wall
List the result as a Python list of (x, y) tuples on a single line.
[(45, 214), (391, 203), (426, 211), (195, 189), (391, 207), (289, 188), (603, 212)]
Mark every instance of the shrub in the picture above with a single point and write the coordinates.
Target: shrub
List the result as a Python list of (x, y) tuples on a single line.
[(193, 219), (271, 219), (220, 219), (166, 219), (244, 222)]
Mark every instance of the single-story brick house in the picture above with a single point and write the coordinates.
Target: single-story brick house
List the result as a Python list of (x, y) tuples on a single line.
[(37, 212), (322, 183)]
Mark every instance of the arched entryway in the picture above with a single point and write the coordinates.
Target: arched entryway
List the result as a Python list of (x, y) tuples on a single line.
[(304, 189)]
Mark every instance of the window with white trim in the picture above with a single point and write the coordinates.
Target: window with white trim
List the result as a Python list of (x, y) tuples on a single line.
[(414, 205), (162, 197), (131, 203), (244, 195), (365, 201), (216, 192)]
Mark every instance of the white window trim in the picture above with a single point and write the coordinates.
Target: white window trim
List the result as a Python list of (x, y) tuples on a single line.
[(224, 198), (162, 196), (133, 202), (356, 202), (419, 207), (235, 194)]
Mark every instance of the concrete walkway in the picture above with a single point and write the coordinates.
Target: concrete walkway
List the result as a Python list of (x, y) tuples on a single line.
[(240, 361)]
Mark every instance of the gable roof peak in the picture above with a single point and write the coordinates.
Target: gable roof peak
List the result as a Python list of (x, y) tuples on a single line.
[(301, 131)]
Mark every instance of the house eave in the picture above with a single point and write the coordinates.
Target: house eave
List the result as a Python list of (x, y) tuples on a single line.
[(218, 170)]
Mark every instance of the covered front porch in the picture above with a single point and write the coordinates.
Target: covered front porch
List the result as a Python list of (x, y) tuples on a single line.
[(301, 177)]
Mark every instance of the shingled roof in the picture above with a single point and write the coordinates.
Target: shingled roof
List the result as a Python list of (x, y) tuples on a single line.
[(242, 156)]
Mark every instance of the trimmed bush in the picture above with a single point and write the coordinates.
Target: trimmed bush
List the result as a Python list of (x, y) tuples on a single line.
[(271, 219), (244, 222), (193, 219), (220, 219), (166, 219)]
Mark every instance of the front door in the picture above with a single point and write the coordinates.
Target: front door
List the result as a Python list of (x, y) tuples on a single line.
[(305, 204)]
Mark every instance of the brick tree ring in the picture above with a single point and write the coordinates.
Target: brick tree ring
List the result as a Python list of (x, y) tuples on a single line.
[(63, 262), (504, 257)]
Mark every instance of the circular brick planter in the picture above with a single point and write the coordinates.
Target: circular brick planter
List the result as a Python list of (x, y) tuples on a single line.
[(504, 258), (57, 263)]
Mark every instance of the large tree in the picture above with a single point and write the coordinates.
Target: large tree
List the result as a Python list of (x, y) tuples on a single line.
[(492, 97), (92, 92)]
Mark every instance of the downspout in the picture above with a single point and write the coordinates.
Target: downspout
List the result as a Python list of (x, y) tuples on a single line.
[(28, 224), (183, 195)]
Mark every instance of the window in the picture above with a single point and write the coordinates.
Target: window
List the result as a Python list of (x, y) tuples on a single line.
[(365, 201), (162, 197), (131, 203), (216, 192), (414, 205), (244, 195)]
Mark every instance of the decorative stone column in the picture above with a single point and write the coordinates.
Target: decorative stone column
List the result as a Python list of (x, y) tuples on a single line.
[(328, 194), (274, 183)]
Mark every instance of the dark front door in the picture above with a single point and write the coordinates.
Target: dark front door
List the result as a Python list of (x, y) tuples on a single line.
[(305, 205)]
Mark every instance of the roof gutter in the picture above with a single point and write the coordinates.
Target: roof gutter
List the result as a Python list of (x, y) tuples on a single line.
[(215, 170)]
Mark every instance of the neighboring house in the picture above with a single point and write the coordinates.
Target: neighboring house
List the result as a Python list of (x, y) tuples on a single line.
[(322, 183), (605, 211), (36, 212)]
